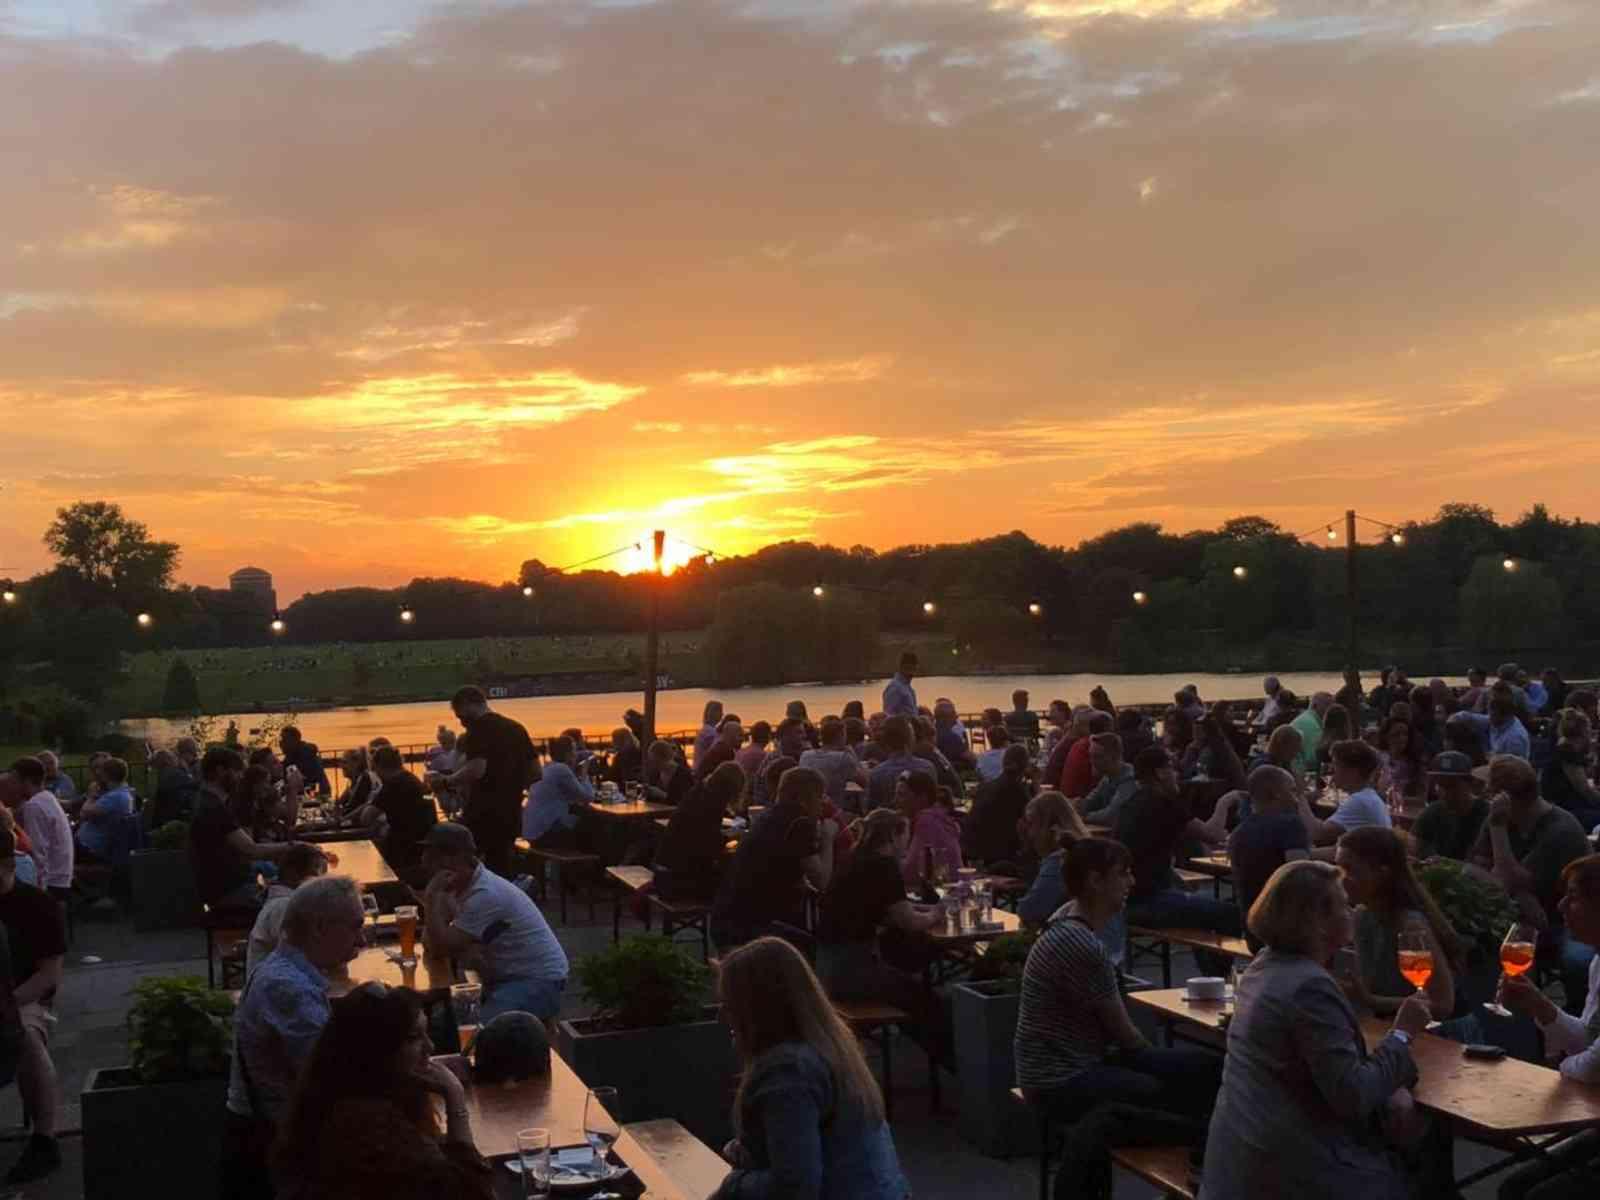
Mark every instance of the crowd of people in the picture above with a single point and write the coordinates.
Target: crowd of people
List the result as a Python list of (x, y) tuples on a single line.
[(849, 826)]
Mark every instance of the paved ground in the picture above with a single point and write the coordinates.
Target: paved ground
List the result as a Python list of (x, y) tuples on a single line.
[(107, 958)]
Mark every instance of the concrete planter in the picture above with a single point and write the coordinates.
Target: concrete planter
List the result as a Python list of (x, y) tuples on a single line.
[(163, 887), (686, 1072), (140, 1138), (985, 1017)]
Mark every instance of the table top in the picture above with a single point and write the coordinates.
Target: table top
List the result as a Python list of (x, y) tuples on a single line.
[(1211, 864), (373, 965), (501, 1111), (1508, 1097), (632, 808), (670, 1161), (1009, 922), (362, 862)]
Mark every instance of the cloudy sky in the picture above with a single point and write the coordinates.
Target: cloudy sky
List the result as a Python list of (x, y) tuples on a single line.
[(362, 290)]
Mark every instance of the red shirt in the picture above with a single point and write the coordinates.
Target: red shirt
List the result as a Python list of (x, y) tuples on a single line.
[(1077, 776)]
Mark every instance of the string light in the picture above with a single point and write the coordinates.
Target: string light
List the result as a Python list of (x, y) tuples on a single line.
[(1140, 597), (406, 615), (1333, 535), (1398, 538), (145, 620), (1240, 572), (1510, 564), (818, 591), (527, 589), (277, 625), (8, 596), (929, 607), (1034, 609)]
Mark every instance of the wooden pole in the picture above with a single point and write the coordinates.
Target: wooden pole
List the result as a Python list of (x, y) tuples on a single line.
[(1353, 647), (652, 646)]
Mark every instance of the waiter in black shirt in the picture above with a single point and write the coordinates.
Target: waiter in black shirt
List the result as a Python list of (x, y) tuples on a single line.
[(500, 764)]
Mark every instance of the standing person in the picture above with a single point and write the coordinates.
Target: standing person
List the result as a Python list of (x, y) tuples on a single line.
[(710, 722), (1271, 835), (407, 812), (37, 945), (1525, 845), (1304, 1108), (1555, 690), (305, 862), (278, 1020), (1022, 722), (1352, 699), (836, 764), (362, 1123), (556, 802), (500, 765), (1572, 1044), (899, 697), (306, 758), (1271, 688), (1076, 1047), (1450, 825), (49, 831), (479, 916), (808, 1117), (790, 846)]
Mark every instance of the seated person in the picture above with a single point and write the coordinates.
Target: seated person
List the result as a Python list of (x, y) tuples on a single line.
[(1450, 825), (925, 747), (791, 846), (988, 764), (667, 779), (895, 738), (935, 829), (1354, 765), (1525, 845), (1500, 728), (1565, 779), (550, 817), (990, 835), (1077, 772), (1075, 1044), (865, 898), (724, 749), (1285, 746), (1572, 1044), (836, 763), (176, 792), (407, 813), (305, 758), (224, 854), (627, 759), (353, 764), (950, 736), (1402, 758), (97, 830), (1153, 825), (1389, 900), (1046, 823), (1270, 836), (300, 864), (1114, 781), (489, 922), (691, 854)]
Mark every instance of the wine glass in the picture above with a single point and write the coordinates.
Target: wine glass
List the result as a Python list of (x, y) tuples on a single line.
[(1516, 957), (1415, 953), (599, 1125), (533, 1155)]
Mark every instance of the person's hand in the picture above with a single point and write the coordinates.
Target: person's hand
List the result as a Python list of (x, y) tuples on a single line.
[(734, 1153), (1402, 1121), (1414, 1014), (1500, 810), (1519, 994), (441, 1081)]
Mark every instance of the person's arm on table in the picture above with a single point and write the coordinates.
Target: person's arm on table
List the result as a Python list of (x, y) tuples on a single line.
[(1566, 1040), (245, 846), (440, 908)]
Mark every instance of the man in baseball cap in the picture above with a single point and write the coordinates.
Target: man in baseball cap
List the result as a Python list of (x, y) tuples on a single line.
[(1450, 825)]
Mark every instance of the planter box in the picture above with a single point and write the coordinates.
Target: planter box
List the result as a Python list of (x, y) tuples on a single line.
[(985, 1017), (164, 892), (686, 1072), (143, 1136)]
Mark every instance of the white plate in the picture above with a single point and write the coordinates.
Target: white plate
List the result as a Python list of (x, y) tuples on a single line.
[(568, 1179)]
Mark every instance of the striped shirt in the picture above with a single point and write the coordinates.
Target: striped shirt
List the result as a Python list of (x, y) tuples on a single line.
[(1058, 1032)]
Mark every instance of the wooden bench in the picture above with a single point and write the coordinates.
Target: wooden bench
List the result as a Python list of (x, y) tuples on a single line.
[(562, 860), (678, 915), (1161, 941), (1167, 1167), (227, 942), (873, 1021), (630, 881)]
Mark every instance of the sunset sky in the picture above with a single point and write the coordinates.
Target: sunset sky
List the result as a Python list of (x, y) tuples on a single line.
[(364, 290)]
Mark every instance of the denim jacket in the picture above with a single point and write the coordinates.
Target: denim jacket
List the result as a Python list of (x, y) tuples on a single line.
[(798, 1146)]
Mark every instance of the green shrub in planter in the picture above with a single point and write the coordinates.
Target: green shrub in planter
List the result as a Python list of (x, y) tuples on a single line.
[(643, 982), (1478, 909), (181, 1029), (1005, 957), (174, 835)]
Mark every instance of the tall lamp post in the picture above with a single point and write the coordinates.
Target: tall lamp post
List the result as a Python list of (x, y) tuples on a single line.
[(652, 646), (1353, 648)]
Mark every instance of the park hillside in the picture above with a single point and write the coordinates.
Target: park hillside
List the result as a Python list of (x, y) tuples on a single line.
[(106, 632)]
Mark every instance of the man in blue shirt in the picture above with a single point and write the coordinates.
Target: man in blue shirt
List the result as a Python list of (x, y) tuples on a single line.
[(280, 1016), (549, 817), (1506, 734), (97, 833), (899, 698), (896, 739)]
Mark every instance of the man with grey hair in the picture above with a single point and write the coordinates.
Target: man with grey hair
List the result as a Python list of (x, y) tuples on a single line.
[(1270, 687), (57, 780), (279, 1018), (1309, 725)]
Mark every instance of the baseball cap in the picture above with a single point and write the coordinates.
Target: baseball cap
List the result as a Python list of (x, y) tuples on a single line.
[(451, 838), (1451, 764)]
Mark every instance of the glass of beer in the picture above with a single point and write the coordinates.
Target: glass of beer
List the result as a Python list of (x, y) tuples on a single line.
[(405, 923), (1415, 954), (466, 1003), (1516, 957)]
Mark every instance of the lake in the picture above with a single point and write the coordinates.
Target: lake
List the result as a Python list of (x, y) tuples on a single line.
[(599, 713)]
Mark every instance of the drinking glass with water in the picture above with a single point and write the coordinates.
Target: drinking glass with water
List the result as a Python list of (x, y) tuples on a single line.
[(533, 1156)]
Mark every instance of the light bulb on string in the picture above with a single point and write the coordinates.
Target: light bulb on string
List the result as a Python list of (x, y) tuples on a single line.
[(1333, 534), (1398, 538), (277, 625), (144, 620), (929, 607), (527, 589), (818, 591), (1035, 609), (1510, 564), (1140, 597), (1240, 572)]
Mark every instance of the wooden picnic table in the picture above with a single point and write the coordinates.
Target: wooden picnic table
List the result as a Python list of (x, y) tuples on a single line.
[(363, 862), (1218, 864), (632, 809), (944, 936), (1507, 1098), (432, 975), (671, 1162)]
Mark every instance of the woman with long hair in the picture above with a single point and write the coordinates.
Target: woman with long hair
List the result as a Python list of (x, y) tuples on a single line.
[(362, 1124), (1401, 752), (253, 801), (1336, 726), (1389, 899), (808, 1117), (690, 856)]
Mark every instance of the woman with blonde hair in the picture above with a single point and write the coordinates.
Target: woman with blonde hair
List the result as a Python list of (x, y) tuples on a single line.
[(808, 1117)]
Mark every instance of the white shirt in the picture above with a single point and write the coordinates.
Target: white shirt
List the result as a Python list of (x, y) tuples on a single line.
[(50, 832), (991, 762), (269, 924), (1568, 1038), (1361, 808)]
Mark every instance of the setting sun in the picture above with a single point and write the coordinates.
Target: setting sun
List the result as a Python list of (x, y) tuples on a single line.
[(674, 554)]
